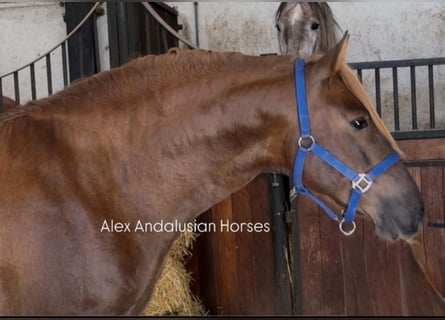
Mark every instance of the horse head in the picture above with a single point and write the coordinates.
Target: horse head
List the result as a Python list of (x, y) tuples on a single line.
[(305, 28), (345, 123)]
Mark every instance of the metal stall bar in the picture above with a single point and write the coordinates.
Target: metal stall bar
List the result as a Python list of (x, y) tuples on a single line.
[(16, 87), (64, 64), (395, 85), (431, 93), (32, 73), (412, 64), (378, 95), (1, 96), (49, 77), (46, 56), (413, 97)]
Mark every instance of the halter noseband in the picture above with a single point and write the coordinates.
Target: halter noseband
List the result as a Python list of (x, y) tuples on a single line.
[(361, 182)]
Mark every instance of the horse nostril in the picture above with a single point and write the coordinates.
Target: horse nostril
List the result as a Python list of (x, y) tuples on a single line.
[(421, 214)]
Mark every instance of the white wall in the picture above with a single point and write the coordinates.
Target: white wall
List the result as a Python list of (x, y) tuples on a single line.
[(379, 31), (385, 30), (28, 30)]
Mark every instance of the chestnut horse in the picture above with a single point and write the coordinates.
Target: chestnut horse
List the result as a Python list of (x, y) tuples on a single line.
[(164, 138)]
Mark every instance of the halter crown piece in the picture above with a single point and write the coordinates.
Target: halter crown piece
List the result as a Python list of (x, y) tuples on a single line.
[(361, 182)]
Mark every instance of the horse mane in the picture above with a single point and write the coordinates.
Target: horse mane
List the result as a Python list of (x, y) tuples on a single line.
[(143, 75), (329, 29), (280, 10), (150, 71)]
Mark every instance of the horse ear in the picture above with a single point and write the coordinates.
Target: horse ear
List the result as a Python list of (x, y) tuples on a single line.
[(331, 62)]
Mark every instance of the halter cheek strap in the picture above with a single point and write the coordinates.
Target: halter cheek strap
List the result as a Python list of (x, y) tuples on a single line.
[(361, 182)]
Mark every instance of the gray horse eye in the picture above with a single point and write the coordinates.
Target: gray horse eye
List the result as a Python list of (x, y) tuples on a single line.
[(315, 26), (278, 27)]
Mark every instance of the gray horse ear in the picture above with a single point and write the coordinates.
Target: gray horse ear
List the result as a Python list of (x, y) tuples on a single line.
[(331, 62)]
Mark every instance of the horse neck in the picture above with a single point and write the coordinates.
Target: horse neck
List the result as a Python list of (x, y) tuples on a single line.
[(174, 147), (221, 132)]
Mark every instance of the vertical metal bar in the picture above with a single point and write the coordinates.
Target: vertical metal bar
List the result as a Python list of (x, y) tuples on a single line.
[(196, 4), (80, 46), (1, 96), (359, 75), (64, 65), (431, 93), (378, 94), (16, 87), (163, 40), (32, 72), (97, 65), (395, 84), (122, 29), (280, 245), (146, 31), (113, 40), (294, 244), (49, 74), (413, 97)]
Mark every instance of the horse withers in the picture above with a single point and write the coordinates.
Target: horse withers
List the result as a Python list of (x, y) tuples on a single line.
[(162, 139), (8, 104)]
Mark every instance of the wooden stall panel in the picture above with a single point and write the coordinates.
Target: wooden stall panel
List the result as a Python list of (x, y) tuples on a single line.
[(427, 156), (362, 275), (234, 271)]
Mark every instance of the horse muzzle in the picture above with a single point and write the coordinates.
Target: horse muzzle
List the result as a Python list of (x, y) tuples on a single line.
[(395, 222)]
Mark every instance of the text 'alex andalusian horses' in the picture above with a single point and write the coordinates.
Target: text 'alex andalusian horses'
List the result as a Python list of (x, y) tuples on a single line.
[(165, 138)]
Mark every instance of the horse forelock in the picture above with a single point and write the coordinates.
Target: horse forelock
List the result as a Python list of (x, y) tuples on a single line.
[(329, 26), (280, 10)]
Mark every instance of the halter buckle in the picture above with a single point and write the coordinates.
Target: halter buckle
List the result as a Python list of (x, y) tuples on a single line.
[(362, 183), (306, 143)]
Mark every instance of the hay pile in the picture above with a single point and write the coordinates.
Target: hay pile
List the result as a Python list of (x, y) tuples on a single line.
[(172, 295)]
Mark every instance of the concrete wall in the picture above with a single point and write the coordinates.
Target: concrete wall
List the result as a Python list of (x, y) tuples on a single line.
[(28, 31), (379, 31)]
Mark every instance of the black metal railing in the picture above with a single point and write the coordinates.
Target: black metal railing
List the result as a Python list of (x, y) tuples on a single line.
[(417, 118), (424, 67), (71, 59), (46, 62)]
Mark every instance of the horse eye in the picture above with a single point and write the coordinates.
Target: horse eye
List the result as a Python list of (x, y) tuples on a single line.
[(278, 27), (315, 26), (359, 124)]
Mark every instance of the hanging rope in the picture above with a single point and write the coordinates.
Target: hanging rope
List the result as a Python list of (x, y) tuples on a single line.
[(166, 26)]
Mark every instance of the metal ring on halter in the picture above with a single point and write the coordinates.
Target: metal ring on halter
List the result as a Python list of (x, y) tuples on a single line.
[(311, 140), (346, 233)]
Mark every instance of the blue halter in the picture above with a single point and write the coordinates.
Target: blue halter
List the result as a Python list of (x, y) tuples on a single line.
[(361, 182)]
